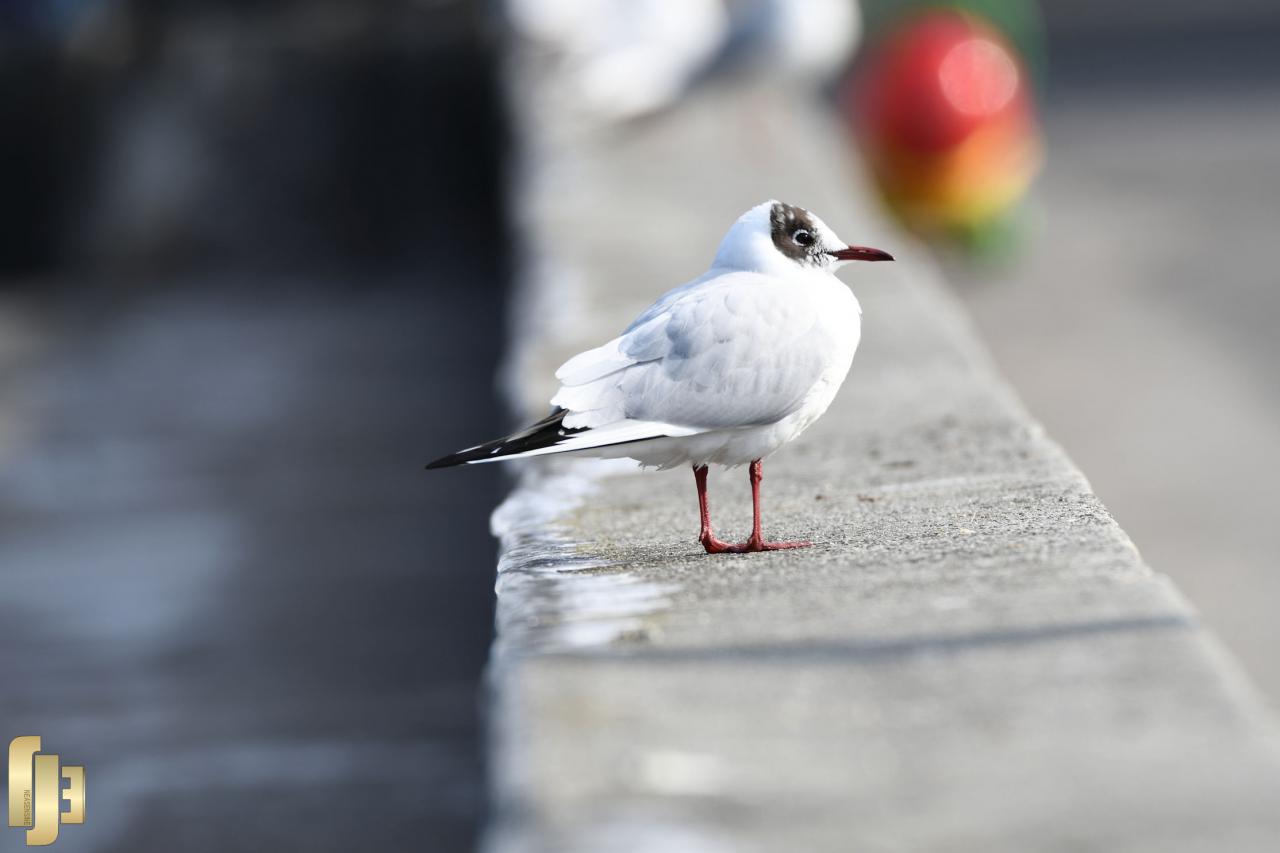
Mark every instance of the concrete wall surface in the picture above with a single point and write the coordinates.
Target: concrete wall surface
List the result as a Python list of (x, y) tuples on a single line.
[(972, 657)]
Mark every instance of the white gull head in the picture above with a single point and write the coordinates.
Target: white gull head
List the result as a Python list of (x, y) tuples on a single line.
[(777, 238)]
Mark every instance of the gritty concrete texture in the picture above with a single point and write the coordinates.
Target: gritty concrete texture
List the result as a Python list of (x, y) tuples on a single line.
[(972, 657)]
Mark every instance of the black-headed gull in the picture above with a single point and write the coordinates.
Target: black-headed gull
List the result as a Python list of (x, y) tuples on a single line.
[(724, 369)]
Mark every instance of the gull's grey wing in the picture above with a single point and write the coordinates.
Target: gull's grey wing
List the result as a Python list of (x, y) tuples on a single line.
[(738, 350)]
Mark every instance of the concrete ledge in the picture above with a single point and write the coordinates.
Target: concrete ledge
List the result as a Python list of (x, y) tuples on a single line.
[(974, 656)]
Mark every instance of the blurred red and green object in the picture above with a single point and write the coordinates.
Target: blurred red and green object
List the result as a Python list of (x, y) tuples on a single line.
[(942, 107)]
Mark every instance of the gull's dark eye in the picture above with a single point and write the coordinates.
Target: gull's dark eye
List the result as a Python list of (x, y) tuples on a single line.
[(803, 238)]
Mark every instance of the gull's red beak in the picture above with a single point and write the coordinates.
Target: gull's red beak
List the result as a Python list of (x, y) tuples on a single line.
[(860, 253)]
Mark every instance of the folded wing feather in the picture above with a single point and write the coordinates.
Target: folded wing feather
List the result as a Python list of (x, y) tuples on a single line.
[(736, 351)]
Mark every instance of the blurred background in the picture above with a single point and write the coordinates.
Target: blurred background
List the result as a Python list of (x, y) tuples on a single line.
[(254, 263)]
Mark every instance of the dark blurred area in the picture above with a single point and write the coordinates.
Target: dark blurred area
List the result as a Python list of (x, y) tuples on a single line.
[(244, 247), (1179, 48), (269, 135)]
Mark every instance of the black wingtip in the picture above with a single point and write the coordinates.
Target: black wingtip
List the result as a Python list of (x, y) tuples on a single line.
[(462, 457), (545, 433)]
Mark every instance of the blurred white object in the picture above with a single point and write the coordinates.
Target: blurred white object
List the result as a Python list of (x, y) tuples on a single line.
[(624, 58), (809, 39)]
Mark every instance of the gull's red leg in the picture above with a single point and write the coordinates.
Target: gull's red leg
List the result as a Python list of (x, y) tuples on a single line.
[(757, 541), (706, 537)]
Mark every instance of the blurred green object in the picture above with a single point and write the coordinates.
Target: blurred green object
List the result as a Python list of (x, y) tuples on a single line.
[(1019, 21)]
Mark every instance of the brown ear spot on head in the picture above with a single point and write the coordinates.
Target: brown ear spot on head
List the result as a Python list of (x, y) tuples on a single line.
[(785, 220)]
